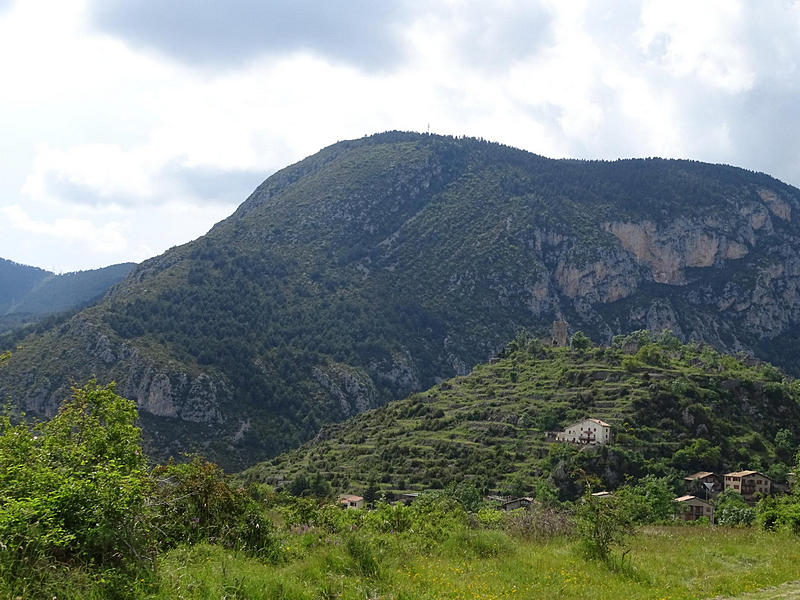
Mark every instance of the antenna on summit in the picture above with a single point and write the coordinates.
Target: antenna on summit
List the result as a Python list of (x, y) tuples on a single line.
[(429, 128)]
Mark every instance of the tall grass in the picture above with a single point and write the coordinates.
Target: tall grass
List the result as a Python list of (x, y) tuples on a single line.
[(665, 562)]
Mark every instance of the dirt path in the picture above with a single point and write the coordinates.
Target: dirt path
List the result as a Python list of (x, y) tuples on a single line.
[(786, 591)]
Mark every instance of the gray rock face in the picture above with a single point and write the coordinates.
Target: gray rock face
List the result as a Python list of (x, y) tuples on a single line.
[(352, 388), (158, 389)]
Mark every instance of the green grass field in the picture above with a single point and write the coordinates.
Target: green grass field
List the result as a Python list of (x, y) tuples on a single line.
[(664, 563)]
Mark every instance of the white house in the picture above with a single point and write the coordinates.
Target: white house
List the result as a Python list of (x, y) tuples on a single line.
[(587, 431), (352, 502)]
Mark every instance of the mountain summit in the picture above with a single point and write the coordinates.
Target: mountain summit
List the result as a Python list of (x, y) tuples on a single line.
[(380, 266)]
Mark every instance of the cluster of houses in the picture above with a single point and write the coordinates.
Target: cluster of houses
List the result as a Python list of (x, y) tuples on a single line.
[(703, 486), (750, 484)]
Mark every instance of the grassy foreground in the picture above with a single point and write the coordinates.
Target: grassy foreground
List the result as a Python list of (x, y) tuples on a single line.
[(665, 562)]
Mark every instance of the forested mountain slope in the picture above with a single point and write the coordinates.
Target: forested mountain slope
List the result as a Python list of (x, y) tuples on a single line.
[(28, 293), (379, 266), (16, 280)]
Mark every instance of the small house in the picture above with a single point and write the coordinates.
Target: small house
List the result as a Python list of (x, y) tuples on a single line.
[(703, 483), (587, 431), (694, 508), (407, 498), (351, 502), (748, 484), (516, 503)]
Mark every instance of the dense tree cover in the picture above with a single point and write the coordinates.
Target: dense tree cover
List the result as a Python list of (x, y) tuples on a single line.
[(16, 280), (32, 291)]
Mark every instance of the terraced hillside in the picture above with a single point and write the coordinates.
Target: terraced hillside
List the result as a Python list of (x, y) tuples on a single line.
[(674, 408)]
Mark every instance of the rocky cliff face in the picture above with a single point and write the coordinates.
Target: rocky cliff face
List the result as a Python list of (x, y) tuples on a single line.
[(380, 266)]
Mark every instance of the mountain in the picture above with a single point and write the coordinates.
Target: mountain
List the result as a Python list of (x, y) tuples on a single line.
[(380, 266), (28, 293), (17, 280), (674, 409)]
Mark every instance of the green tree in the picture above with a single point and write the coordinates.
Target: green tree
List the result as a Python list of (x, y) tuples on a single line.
[(371, 493), (320, 487), (467, 494), (603, 524), (580, 341), (650, 500), (300, 485), (784, 444), (700, 454), (194, 502)]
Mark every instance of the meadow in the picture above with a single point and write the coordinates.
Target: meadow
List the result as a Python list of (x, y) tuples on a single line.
[(666, 562)]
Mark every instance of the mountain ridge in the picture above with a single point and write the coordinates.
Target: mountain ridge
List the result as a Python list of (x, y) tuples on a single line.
[(28, 294), (379, 266)]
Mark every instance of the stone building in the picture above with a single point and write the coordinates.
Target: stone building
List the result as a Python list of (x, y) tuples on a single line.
[(748, 484), (694, 508), (587, 431)]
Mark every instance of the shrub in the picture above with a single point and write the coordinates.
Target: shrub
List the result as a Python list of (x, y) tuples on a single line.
[(602, 524), (73, 489), (539, 523), (195, 502), (489, 517), (779, 513), (732, 510), (434, 516)]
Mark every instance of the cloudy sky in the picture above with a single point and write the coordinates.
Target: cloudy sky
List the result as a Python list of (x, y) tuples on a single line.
[(129, 126)]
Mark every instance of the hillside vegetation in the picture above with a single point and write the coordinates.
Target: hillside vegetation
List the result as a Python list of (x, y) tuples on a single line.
[(674, 409), (379, 266), (84, 515)]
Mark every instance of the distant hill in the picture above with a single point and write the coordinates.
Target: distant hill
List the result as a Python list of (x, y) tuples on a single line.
[(29, 293), (380, 266), (674, 409), (17, 280)]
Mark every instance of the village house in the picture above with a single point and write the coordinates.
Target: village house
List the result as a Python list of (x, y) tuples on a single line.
[(703, 483), (351, 502), (407, 498), (694, 508), (517, 503), (748, 484), (587, 431)]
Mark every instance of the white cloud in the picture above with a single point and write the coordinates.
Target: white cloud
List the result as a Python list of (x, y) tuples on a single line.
[(133, 152), (701, 40), (101, 239)]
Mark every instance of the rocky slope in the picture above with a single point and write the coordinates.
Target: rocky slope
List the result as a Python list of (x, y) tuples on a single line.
[(379, 266)]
